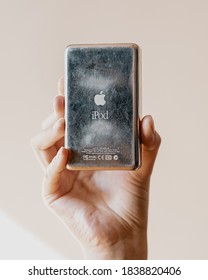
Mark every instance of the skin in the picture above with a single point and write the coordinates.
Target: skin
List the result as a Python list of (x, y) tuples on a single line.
[(107, 211)]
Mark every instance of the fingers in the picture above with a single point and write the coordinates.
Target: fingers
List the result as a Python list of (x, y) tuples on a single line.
[(150, 144), (44, 142), (51, 182), (149, 136), (48, 137), (47, 142), (58, 107)]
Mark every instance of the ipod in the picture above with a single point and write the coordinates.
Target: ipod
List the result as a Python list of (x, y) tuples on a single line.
[(102, 100)]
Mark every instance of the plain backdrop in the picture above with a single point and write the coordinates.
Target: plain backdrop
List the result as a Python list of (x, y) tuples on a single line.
[(173, 36)]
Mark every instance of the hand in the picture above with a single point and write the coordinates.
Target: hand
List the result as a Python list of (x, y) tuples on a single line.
[(107, 211)]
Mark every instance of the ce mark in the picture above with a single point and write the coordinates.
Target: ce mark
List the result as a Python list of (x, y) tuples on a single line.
[(101, 157)]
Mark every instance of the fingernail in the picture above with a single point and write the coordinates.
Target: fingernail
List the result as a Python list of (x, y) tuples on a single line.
[(60, 152), (152, 125), (153, 132), (58, 103)]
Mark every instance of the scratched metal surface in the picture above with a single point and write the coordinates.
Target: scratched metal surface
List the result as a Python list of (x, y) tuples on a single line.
[(101, 136)]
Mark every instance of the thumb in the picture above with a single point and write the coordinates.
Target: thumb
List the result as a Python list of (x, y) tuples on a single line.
[(150, 140), (52, 179)]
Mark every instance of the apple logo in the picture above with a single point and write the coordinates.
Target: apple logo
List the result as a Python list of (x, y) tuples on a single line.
[(100, 99)]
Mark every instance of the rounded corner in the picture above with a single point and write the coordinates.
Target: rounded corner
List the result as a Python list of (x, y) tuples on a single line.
[(69, 167)]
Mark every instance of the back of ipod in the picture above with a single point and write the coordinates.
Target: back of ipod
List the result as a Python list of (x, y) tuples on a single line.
[(102, 106)]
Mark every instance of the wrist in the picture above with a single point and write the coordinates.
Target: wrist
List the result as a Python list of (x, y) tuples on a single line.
[(125, 249)]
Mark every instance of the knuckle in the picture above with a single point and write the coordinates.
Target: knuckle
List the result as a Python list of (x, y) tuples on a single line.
[(46, 177), (45, 197), (55, 99), (33, 143), (59, 125), (43, 125)]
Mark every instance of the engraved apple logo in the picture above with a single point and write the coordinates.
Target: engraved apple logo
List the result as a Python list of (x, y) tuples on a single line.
[(100, 99)]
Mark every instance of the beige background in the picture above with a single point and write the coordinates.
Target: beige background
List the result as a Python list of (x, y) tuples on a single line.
[(174, 39)]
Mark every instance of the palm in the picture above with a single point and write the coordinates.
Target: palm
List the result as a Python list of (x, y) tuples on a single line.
[(100, 207), (103, 203)]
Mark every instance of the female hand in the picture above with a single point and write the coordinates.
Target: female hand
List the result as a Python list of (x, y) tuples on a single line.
[(107, 211)]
